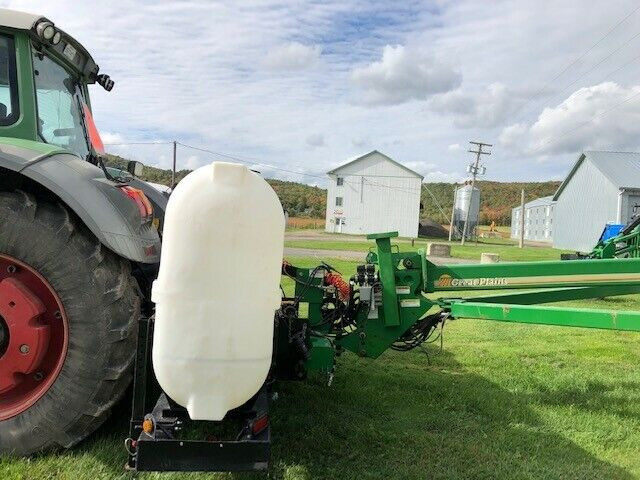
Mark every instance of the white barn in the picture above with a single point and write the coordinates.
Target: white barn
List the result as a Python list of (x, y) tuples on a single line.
[(538, 220), (373, 193), (601, 188)]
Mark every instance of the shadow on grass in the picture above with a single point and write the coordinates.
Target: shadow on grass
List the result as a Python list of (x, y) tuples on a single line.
[(398, 418), (597, 397), (405, 419)]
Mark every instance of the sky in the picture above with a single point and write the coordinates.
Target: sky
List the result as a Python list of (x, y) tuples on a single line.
[(297, 88)]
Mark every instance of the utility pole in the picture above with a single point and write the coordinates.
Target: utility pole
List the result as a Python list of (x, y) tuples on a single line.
[(521, 242), (453, 212), (475, 170), (173, 170)]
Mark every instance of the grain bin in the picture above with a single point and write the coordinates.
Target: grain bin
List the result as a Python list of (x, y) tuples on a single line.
[(466, 200)]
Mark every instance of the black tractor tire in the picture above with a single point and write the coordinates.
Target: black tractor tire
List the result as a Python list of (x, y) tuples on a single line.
[(102, 302)]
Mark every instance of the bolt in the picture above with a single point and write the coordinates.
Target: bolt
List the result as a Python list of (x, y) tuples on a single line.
[(57, 314), (11, 269), (363, 335), (362, 353), (38, 376), (24, 348)]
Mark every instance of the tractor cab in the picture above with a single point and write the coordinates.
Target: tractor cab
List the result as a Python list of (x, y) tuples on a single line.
[(44, 95), (49, 143)]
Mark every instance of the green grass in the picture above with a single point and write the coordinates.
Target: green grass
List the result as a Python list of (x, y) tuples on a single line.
[(499, 402), (507, 249)]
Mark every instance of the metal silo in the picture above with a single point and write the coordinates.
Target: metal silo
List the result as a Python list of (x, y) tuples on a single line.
[(466, 200)]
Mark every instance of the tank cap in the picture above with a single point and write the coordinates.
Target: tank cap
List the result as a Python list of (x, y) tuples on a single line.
[(229, 173)]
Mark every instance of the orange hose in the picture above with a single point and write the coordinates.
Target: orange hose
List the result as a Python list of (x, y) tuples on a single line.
[(337, 281)]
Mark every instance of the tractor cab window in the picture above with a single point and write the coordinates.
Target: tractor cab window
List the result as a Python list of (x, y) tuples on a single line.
[(8, 86), (60, 100)]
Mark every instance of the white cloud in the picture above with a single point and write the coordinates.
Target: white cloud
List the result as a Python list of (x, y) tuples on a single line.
[(315, 140), (487, 108), (292, 56), (108, 137), (439, 176), (404, 74), (454, 147), (604, 116), (360, 142), (191, 163), (197, 72)]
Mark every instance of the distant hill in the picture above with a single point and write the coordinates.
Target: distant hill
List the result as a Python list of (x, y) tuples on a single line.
[(301, 200), (496, 199), (298, 199)]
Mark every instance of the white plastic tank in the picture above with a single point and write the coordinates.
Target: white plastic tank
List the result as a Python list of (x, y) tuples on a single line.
[(217, 289)]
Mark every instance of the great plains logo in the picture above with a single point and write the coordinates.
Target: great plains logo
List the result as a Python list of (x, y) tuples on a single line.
[(447, 281)]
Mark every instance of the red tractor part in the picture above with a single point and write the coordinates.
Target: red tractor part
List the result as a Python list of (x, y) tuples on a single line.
[(33, 336)]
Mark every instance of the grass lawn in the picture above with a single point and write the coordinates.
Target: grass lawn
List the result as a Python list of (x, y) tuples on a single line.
[(507, 249), (499, 402)]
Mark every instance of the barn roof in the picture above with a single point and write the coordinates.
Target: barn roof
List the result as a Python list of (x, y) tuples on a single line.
[(620, 168), (353, 160), (538, 202)]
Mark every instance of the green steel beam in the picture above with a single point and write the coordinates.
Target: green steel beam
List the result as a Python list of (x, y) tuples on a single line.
[(554, 274), (387, 277), (566, 317), (557, 295)]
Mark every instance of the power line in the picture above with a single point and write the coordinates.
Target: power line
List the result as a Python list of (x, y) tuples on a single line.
[(608, 74), (584, 54), (136, 143), (254, 161), (446, 216), (600, 62), (249, 161), (609, 110)]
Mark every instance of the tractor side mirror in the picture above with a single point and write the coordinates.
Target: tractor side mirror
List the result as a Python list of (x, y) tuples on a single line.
[(105, 82), (135, 168)]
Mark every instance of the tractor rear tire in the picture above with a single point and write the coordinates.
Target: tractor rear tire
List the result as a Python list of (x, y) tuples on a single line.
[(90, 328)]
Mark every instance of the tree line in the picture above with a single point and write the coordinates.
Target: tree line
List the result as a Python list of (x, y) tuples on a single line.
[(301, 200)]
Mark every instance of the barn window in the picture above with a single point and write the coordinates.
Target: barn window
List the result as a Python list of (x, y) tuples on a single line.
[(338, 201), (339, 181)]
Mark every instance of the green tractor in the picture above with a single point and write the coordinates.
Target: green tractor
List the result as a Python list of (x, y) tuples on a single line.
[(79, 246)]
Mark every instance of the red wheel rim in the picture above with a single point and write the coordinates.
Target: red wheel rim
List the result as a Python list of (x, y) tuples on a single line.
[(33, 336)]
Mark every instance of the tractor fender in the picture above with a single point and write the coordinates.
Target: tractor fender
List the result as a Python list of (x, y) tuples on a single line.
[(109, 214)]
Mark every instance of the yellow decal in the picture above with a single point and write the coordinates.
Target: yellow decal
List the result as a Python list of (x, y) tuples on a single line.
[(446, 281)]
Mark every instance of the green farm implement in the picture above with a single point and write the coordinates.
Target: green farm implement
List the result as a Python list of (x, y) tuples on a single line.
[(80, 248), (395, 300)]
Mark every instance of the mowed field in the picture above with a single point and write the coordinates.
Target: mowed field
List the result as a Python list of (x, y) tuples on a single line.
[(506, 248), (498, 401)]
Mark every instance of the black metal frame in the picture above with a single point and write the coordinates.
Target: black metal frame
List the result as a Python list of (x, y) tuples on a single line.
[(161, 449)]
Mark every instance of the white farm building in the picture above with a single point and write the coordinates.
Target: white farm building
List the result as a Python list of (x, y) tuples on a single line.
[(538, 220), (601, 188), (373, 193)]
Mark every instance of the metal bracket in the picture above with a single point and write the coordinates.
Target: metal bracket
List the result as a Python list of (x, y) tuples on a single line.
[(160, 449)]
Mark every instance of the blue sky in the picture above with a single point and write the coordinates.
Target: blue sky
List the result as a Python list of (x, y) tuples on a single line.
[(305, 85)]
